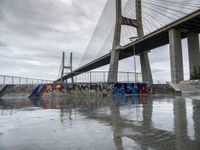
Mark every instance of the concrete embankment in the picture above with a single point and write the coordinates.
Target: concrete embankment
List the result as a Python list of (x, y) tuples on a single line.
[(165, 89), (16, 91), (190, 86), (2, 90)]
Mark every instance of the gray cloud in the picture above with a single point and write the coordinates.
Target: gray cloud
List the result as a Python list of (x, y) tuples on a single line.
[(35, 32), (2, 44)]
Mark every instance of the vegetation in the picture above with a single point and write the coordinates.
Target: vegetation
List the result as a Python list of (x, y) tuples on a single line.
[(195, 75)]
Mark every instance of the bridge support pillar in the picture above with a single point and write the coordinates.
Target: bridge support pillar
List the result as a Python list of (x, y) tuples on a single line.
[(176, 58), (113, 69), (193, 50), (144, 58), (145, 67), (114, 59)]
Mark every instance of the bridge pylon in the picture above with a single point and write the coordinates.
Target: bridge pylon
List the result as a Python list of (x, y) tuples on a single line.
[(137, 23), (64, 67)]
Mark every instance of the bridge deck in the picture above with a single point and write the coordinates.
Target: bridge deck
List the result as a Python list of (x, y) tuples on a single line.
[(151, 41)]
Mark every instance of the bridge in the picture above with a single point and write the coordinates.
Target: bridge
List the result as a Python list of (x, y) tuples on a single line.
[(187, 26)]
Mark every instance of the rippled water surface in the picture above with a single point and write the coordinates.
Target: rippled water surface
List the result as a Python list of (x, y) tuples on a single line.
[(89, 123)]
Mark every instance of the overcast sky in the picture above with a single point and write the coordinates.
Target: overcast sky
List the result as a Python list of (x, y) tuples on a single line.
[(33, 33)]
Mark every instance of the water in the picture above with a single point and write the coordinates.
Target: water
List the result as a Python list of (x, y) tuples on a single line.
[(85, 123)]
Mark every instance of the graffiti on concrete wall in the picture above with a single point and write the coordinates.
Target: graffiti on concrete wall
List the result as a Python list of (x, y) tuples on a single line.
[(130, 88), (106, 89), (98, 89), (48, 90), (93, 89)]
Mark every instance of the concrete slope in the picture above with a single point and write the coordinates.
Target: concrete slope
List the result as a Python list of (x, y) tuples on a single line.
[(190, 86), (18, 91), (3, 89)]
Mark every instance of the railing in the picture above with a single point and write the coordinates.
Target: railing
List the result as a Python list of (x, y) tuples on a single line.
[(102, 76), (4, 79)]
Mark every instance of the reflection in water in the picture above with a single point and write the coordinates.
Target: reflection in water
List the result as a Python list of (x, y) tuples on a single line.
[(116, 123), (196, 118), (137, 122), (180, 123)]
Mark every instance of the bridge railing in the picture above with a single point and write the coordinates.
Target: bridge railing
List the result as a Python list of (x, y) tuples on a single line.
[(4, 79), (102, 77)]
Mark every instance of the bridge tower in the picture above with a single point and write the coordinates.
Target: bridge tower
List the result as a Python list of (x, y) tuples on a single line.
[(137, 23), (64, 67)]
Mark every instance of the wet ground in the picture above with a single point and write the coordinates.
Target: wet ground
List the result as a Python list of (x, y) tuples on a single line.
[(86, 123)]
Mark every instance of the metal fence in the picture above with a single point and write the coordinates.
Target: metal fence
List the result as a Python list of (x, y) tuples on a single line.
[(4, 79), (87, 77), (102, 77)]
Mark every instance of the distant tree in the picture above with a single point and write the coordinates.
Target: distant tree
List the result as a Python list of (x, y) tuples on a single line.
[(195, 75)]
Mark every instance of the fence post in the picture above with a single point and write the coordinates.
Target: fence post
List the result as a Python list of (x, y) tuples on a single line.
[(128, 77), (74, 78), (90, 77), (12, 80), (104, 77), (4, 80), (19, 80)]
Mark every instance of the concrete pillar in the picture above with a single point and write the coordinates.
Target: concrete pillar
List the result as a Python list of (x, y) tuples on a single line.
[(145, 67), (138, 12), (193, 50), (114, 60), (113, 68), (63, 65), (176, 58), (144, 58), (71, 57)]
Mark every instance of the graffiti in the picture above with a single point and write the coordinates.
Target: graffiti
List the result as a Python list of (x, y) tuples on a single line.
[(98, 89), (130, 88), (49, 89), (87, 89), (105, 89)]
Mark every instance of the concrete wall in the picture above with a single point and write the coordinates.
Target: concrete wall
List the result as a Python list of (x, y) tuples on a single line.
[(20, 91), (95, 89)]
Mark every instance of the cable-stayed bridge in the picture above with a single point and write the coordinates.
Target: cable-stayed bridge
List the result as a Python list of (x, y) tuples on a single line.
[(134, 27)]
